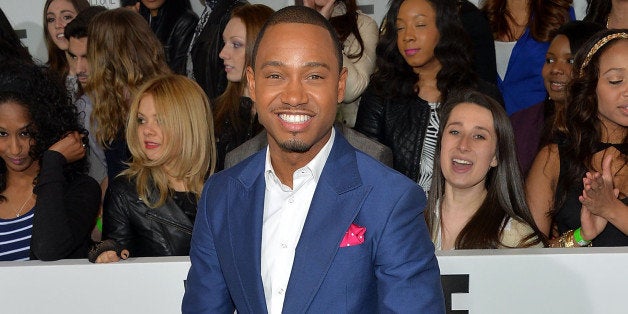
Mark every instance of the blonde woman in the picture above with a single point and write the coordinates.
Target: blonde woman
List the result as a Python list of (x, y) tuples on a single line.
[(150, 208), (123, 53)]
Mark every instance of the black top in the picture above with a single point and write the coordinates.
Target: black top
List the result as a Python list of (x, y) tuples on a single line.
[(568, 216), (477, 27), (65, 211), (230, 138), (174, 30)]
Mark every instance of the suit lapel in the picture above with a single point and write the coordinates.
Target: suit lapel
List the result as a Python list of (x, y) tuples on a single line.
[(335, 204), (245, 227)]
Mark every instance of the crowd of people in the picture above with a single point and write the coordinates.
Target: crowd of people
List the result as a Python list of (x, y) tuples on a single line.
[(151, 131)]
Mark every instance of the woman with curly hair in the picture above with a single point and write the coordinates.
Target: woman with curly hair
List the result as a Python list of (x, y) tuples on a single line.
[(422, 56), (522, 31), (57, 14), (596, 142), (123, 53), (608, 13), (170, 136), (48, 204), (477, 199)]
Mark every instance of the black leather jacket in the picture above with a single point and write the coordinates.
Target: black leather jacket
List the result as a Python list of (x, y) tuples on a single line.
[(209, 71), (144, 231), (401, 123), (175, 31)]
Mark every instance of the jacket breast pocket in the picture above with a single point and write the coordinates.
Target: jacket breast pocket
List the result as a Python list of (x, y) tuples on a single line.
[(355, 255)]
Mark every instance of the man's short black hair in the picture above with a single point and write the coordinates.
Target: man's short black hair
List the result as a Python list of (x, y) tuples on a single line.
[(77, 28), (299, 15)]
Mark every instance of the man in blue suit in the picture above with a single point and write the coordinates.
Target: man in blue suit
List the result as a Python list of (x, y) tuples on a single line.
[(310, 224)]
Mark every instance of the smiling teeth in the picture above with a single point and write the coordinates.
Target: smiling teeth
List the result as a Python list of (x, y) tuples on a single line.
[(460, 161), (294, 118)]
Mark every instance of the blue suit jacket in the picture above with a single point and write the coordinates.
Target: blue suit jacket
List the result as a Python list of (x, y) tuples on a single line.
[(394, 270)]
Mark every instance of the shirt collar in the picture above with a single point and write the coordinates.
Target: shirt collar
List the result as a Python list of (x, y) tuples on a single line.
[(315, 166)]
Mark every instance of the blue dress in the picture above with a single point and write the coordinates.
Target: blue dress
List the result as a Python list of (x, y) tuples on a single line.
[(522, 86)]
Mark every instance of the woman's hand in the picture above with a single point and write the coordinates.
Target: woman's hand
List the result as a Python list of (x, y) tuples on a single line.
[(599, 194), (70, 146), (325, 10), (112, 256), (591, 224), (598, 198)]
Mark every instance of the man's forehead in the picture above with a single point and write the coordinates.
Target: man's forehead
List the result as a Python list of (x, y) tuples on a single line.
[(283, 36), (299, 32)]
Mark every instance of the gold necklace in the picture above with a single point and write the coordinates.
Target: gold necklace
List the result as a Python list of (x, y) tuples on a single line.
[(17, 213)]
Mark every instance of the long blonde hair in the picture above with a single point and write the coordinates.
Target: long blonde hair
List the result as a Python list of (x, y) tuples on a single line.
[(189, 151), (123, 53)]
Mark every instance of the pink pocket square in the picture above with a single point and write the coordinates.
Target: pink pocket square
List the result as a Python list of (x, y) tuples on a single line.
[(353, 236)]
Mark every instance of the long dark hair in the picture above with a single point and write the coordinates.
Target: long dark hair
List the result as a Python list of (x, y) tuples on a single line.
[(545, 17), (347, 24), (452, 51), (52, 114), (505, 198), (598, 11), (583, 124)]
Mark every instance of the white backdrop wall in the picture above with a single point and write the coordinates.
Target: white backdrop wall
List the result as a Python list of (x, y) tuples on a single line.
[(518, 281)]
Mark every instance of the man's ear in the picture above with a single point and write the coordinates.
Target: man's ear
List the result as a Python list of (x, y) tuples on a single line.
[(250, 82), (342, 84)]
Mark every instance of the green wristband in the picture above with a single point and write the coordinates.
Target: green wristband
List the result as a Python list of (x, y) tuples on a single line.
[(578, 238), (99, 224)]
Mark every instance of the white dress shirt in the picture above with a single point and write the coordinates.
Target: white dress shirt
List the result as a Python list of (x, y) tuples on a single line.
[(285, 210)]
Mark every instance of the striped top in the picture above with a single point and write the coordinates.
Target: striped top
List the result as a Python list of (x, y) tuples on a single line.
[(429, 149), (15, 237)]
